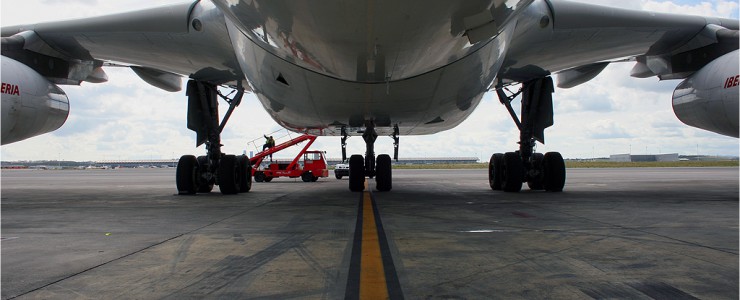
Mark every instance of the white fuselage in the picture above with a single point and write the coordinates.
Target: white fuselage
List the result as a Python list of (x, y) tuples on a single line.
[(387, 62)]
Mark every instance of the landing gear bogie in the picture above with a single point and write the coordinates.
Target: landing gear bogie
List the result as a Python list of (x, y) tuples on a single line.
[(198, 175), (540, 172)]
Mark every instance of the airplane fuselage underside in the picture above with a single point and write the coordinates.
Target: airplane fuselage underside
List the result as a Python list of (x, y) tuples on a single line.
[(315, 78)]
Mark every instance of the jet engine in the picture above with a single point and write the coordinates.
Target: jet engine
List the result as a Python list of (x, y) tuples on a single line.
[(708, 99), (31, 104)]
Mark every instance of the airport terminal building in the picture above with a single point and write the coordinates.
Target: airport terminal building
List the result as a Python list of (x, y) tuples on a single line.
[(643, 158)]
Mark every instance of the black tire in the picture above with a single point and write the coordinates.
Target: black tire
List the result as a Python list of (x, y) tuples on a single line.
[(494, 171), (513, 173), (245, 174), (356, 173), (314, 179), (186, 175), (338, 176), (259, 176), (228, 175), (204, 186), (268, 179), (537, 183), (554, 172), (383, 173), (307, 176)]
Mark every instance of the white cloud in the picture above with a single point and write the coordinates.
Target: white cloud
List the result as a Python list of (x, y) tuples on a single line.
[(128, 119)]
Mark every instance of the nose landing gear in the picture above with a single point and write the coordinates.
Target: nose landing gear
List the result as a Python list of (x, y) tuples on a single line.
[(369, 166)]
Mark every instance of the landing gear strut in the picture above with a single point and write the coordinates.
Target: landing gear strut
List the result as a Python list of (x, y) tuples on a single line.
[(360, 167), (231, 173), (509, 170)]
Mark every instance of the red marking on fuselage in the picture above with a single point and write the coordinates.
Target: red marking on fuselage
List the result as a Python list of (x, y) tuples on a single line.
[(10, 89), (732, 81)]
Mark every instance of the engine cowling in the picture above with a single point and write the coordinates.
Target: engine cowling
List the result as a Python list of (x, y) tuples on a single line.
[(31, 104), (708, 99)]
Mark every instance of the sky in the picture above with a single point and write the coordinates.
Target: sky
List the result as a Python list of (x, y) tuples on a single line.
[(126, 119)]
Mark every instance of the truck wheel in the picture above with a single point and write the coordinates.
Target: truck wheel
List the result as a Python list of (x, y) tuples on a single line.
[(268, 179), (259, 176), (338, 176), (307, 177)]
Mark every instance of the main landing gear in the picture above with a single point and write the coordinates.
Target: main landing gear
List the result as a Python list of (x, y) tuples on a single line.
[(231, 173), (509, 170), (360, 167)]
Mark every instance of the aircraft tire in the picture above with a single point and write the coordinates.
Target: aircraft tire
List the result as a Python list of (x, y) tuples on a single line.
[(186, 175), (356, 173), (537, 183), (494, 171), (383, 173), (245, 174), (203, 185), (554, 172), (228, 175), (513, 172)]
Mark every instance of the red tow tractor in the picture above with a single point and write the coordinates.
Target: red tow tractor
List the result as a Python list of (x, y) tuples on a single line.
[(314, 163)]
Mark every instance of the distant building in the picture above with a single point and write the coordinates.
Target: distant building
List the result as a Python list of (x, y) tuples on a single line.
[(643, 158), (422, 160)]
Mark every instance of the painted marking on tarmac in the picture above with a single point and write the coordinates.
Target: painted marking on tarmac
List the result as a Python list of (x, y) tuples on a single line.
[(372, 274)]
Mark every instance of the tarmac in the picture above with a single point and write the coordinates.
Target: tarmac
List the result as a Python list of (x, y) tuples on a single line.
[(658, 233)]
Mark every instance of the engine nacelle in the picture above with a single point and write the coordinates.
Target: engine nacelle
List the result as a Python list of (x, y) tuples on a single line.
[(709, 98), (31, 105)]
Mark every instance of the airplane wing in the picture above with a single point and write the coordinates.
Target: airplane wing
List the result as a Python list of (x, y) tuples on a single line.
[(578, 40), (159, 44)]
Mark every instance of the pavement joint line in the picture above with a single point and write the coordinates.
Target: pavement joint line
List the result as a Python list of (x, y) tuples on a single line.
[(140, 250), (638, 230)]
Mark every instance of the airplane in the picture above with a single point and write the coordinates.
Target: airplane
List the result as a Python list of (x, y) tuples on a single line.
[(371, 68)]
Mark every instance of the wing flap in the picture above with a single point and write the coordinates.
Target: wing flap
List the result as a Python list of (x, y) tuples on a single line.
[(580, 34)]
